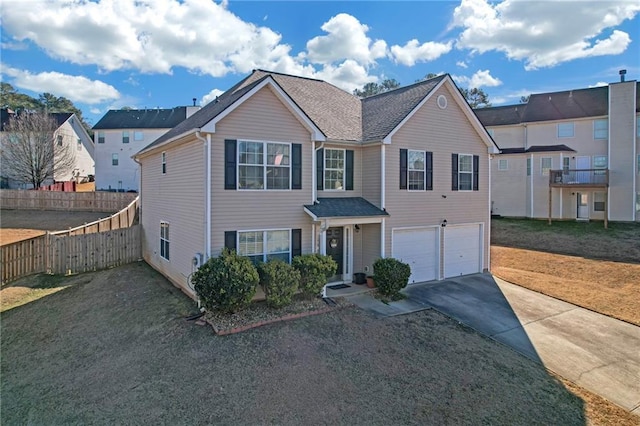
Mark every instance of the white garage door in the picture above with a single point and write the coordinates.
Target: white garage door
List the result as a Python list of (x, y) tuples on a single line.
[(419, 248), (462, 250)]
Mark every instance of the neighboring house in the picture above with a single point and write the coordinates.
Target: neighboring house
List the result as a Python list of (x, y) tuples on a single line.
[(70, 132), (568, 155), (121, 133), (282, 165)]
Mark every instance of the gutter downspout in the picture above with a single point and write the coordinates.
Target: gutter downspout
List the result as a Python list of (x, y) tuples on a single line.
[(207, 145), (383, 183)]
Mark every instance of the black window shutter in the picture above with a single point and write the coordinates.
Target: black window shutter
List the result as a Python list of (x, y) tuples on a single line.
[(320, 169), (296, 166), (476, 166), (348, 166), (403, 169), (454, 172), (296, 242), (230, 164), (429, 170), (230, 240)]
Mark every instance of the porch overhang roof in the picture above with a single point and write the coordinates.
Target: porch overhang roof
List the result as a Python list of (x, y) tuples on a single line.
[(355, 209)]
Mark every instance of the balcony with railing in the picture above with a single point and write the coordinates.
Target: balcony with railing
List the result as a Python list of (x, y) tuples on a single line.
[(593, 178)]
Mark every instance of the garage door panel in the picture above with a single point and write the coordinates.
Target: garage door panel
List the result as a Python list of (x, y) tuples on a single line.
[(419, 248), (462, 250)]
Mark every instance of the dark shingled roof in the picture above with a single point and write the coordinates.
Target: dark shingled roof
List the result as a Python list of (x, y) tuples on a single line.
[(382, 113), (344, 207), (566, 105), (142, 118), (537, 148), (339, 115), (502, 115), (59, 117)]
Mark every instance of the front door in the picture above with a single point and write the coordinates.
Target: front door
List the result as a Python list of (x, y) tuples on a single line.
[(335, 246), (583, 205)]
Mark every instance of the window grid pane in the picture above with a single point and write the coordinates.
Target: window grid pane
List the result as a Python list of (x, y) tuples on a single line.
[(251, 243), (261, 162), (334, 169), (416, 175), (600, 129), (251, 177), (164, 240), (251, 153), (465, 172), (565, 130), (545, 164)]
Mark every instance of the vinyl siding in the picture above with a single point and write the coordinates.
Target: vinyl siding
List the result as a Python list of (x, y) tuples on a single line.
[(263, 117), (371, 180), (509, 136), (442, 132), (509, 187), (621, 150), (178, 198), (107, 175), (370, 246)]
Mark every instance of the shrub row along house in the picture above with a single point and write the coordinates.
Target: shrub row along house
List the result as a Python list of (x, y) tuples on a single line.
[(568, 155), (40, 146), (282, 165), (122, 133)]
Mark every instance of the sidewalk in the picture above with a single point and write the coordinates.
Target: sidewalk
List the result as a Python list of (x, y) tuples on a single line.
[(597, 352)]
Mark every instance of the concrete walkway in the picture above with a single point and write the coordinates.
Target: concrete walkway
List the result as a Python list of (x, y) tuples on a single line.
[(597, 352)]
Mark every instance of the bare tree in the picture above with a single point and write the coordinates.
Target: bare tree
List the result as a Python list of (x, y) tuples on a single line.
[(32, 151)]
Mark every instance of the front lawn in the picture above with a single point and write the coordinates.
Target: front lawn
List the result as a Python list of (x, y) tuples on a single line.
[(115, 348)]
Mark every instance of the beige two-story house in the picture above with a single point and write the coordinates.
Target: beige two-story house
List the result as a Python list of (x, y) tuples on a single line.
[(282, 165), (568, 155)]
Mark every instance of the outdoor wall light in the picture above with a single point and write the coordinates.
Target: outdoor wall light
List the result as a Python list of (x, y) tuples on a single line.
[(357, 228), (444, 223)]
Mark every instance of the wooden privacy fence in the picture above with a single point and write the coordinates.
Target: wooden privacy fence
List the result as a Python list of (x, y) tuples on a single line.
[(70, 254), (99, 201), (123, 219)]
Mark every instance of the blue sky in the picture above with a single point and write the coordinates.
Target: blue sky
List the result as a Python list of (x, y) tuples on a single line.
[(162, 53)]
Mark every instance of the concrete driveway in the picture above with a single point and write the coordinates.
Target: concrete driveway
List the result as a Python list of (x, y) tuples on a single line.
[(595, 351)]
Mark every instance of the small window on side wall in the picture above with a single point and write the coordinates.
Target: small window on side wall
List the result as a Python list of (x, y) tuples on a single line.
[(114, 159), (598, 201), (164, 163), (164, 240), (600, 129), (125, 136), (100, 137), (545, 165), (503, 164)]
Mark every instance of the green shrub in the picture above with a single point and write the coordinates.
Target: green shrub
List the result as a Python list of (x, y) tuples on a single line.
[(227, 282), (279, 280), (391, 275), (315, 270)]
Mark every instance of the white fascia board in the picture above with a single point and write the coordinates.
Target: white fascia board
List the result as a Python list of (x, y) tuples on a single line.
[(146, 151), (317, 134), (313, 216)]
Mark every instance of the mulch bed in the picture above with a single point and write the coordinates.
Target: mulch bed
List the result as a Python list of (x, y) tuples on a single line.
[(259, 314)]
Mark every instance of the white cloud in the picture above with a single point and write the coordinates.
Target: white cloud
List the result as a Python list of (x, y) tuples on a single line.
[(348, 75), (598, 84), (95, 111), (73, 87), (481, 78), (544, 33), (346, 39), (413, 52), (210, 96), (462, 64)]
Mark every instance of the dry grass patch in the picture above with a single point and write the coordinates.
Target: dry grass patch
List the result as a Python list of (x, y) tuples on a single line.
[(610, 288)]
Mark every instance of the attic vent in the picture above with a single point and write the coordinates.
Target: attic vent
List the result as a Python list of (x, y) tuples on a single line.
[(442, 102)]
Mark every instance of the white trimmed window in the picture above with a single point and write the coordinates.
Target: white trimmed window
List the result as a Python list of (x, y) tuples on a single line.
[(545, 165), (114, 159), (100, 137), (164, 240), (138, 135), (59, 140), (566, 163), (601, 129), (262, 246), (416, 170), (565, 130), (465, 172), (334, 169), (264, 165), (125, 136), (598, 201), (503, 164), (599, 162), (164, 163)]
